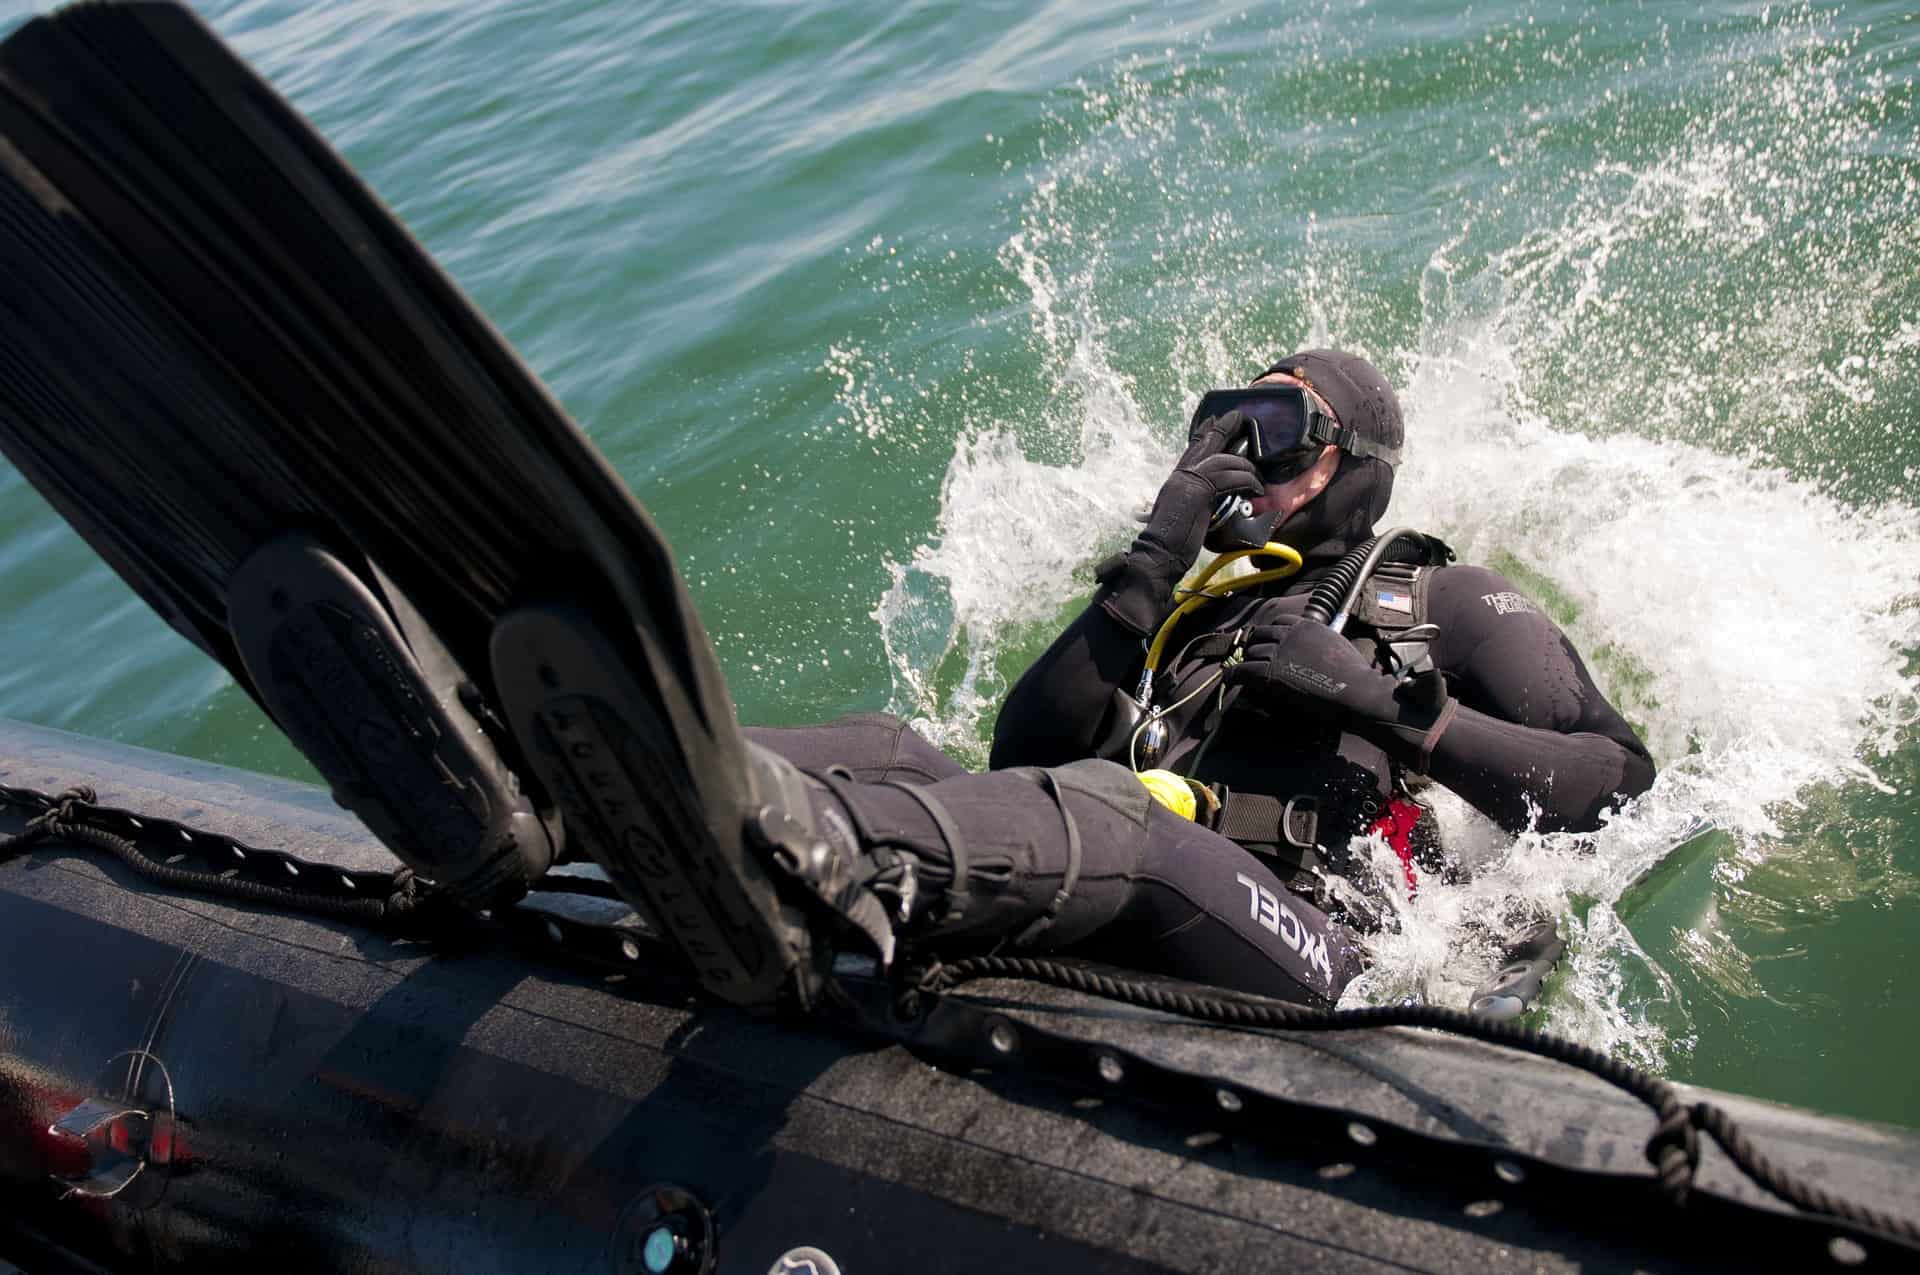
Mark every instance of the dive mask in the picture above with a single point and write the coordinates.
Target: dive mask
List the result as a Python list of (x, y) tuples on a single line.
[(1288, 428)]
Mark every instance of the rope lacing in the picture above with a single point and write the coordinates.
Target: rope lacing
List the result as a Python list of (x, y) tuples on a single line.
[(72, 816), (1673, 1150)]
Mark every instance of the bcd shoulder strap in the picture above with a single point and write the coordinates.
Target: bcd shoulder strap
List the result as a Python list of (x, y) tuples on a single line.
[(1394, 597)]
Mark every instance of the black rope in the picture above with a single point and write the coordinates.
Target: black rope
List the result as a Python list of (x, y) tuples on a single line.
[(1674, 1149), (63, 818), (51, 808), (1802, 1195)]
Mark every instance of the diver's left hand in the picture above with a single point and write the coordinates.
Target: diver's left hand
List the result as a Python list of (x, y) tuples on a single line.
[(1304, 665)]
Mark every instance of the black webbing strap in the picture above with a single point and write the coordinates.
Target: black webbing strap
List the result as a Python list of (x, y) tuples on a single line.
[(957, 893), (1072, 877), (1430, 739), (1267, 820), (1347, 440)]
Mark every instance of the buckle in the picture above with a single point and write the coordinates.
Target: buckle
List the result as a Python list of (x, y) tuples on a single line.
[(1213, 811), (823, 875), (1300, 822)]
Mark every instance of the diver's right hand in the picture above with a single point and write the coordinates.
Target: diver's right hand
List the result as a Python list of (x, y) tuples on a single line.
[(1137, 586)]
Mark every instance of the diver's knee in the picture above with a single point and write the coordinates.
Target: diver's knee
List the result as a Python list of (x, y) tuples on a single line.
[(1111, 786), (872, 747), (896, 751)]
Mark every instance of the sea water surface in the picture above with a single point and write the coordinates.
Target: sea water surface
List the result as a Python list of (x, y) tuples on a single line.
[(892, 314)]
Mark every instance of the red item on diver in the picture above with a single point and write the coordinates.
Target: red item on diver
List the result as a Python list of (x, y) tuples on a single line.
[(1395, 825)]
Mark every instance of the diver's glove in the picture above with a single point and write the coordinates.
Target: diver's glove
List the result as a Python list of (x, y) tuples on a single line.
[(1137, 586), (1299, 665)]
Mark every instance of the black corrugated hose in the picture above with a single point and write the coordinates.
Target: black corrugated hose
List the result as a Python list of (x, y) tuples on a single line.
[(1333, 594)]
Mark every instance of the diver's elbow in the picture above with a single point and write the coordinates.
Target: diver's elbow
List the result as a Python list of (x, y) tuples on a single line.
[(1636, 776)]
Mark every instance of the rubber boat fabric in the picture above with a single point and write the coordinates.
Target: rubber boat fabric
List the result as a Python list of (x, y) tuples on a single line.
[(254, 394), (538, 1092)]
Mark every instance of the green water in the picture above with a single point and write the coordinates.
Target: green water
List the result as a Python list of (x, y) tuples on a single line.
[(891, 312)]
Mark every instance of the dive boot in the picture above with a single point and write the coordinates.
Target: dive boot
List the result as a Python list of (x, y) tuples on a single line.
[(260, 400), (381, 709), (711, 837), (244, 383)]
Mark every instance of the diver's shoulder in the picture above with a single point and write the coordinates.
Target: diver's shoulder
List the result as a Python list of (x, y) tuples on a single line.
[(1464, 584)]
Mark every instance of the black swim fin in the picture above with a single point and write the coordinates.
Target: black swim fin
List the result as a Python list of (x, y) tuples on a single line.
[(1516, 987), (249, 388)]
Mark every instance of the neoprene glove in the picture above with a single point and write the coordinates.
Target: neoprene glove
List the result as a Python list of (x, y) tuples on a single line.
[(1137, 586), (1303, 666)]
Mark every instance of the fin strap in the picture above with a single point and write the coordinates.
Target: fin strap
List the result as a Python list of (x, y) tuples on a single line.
[(957, 892), (1072, 877)]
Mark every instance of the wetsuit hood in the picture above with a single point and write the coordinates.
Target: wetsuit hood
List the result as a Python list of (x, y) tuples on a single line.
[(1344, 514)]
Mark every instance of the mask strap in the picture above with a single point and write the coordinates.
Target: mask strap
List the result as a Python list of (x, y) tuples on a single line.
[(1341, 436)]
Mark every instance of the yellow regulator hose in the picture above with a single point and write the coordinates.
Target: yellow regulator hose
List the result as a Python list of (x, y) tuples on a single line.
[(1203, 591), (1162, 784)]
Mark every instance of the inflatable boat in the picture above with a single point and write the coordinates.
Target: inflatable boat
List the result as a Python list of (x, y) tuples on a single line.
[(198, 1082)]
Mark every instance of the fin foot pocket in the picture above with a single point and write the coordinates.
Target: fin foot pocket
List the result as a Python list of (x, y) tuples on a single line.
[(381, 715), (660, 803)]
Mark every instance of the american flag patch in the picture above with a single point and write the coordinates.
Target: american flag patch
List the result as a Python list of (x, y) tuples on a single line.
[(1394, 601)]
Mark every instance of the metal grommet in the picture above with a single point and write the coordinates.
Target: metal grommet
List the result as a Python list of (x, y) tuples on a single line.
[(665, 1230), (1846, 1251)]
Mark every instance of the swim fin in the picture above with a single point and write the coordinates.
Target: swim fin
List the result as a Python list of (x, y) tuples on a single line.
[(248, 387), (1516, 987)]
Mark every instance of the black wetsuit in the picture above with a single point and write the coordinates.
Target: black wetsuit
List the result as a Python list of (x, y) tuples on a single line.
[(1133, 883), (1054, 848), (1532, 743)]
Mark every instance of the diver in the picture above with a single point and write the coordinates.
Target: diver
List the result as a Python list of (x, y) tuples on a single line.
[(1308, 736), (1293, 739)]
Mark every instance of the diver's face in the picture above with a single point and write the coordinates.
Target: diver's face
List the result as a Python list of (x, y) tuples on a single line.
[(1287, 497)]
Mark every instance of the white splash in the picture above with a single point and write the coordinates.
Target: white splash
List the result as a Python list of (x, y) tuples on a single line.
[(1015, 534), (1756, 630)]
